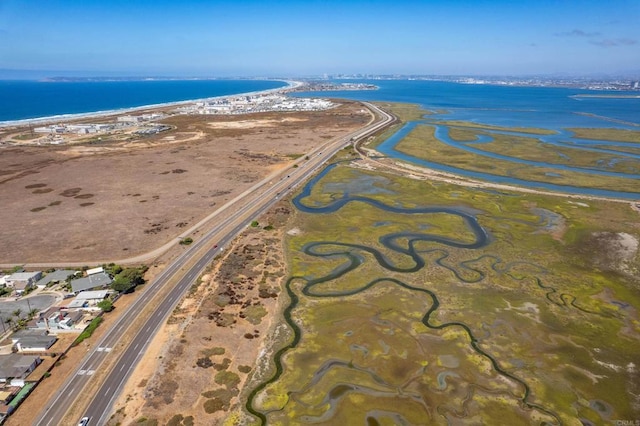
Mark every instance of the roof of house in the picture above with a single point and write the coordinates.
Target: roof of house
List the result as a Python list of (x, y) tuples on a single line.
[(22, 276), (76, 316), (55, 276), (20, 285), (48, 312), (42, 341), (27, 333), (15, 365), (96, 294), (92, 281), (94, 271), (77, 304)]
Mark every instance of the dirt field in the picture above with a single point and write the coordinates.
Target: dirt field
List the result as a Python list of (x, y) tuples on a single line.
[(118, 197), (198, 365)]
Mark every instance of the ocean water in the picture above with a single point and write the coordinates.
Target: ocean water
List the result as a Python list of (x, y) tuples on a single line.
[(545, 107), (20, 100)]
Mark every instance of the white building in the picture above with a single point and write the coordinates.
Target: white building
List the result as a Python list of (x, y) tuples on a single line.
[(93, 271)]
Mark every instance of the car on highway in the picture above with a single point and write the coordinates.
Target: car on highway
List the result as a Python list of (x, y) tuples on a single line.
[(83, 421)]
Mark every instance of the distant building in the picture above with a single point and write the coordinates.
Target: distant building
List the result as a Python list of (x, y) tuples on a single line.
[(99, 280)]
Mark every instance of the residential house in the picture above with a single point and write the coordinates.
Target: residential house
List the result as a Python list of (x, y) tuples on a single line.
[(55, 277), (89, 299), (15, 368), (21, 281), (32, 340), (55, 320), (99, 280)]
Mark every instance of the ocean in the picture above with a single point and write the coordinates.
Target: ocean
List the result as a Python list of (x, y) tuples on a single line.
[(546, 107), (510, 106), (536, 107), (21, 100)]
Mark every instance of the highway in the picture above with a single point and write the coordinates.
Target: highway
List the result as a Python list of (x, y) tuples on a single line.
[(186, 270)]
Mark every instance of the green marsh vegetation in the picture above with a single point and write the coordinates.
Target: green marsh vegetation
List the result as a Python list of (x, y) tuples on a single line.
[(538, 324), (607, 134), (476, 126), (422, 143), (531, 148)]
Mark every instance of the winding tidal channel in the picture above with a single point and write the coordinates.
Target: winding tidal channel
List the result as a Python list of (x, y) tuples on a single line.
[(562, 138), (405, 244)]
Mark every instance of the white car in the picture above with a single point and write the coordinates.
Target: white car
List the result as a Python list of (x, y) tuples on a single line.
[(84, 421)]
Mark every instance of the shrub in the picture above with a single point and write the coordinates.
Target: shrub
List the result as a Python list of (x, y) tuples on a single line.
[(88, 331)]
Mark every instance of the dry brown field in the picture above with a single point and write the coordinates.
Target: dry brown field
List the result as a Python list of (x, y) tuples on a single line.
[(123, 195)]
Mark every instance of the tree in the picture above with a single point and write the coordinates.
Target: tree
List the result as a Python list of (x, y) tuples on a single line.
[(128, 279), (105, 305), (113, 269)]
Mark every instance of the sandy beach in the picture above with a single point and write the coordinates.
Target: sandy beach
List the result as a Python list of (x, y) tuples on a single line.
[(101, 114)]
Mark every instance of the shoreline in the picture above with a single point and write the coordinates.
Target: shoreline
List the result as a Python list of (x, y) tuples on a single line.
[(290, 84)]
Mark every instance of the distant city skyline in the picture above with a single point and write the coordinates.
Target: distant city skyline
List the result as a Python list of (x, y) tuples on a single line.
[(285, 38)]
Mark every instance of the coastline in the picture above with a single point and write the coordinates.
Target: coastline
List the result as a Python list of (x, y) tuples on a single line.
[(290, 85)]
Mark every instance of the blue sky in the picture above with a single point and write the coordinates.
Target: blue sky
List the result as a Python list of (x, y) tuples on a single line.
[(286, 38)]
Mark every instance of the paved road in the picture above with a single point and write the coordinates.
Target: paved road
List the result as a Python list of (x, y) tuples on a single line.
[(255, 203)]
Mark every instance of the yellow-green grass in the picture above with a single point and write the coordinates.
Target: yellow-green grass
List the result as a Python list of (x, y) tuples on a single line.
[(471, 125), (533, 149), (405, 111), (622, 149), (462, 134), (421, 143), (556, 334), (607, 134)]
